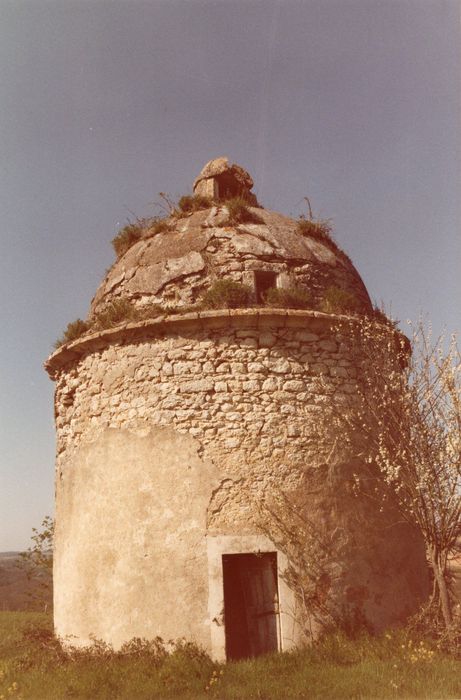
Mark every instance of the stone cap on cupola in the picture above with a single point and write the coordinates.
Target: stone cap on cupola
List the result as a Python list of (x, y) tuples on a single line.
[(219, 179)]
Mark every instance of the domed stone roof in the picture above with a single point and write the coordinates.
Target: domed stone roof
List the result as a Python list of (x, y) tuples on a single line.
[(174, 267)]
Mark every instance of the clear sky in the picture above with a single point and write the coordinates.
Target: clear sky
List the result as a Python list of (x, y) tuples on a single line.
[(104, 103)]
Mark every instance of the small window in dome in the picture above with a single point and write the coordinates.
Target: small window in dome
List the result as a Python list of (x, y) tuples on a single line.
[(228, 187), (264, 280)]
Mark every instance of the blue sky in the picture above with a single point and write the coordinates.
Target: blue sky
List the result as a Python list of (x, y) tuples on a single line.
[(105, 103)]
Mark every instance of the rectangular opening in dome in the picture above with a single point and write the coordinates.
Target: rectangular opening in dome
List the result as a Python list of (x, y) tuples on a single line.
[(228, 187), (264, 280), (251, 608)]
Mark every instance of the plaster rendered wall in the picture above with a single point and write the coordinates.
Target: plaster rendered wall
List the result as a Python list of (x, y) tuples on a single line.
[(171, 439), (130, 539)]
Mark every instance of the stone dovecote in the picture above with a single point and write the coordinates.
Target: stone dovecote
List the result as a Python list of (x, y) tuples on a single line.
[(172, 431)]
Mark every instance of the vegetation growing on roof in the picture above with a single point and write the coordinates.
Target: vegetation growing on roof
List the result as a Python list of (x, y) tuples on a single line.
[(74, 330), (223, 294), (320, 229), (126, 237), (117, 311), (134, 231), (193, 202), (291, 298), (338, 301), (381, 316), (240, 213), (227, 294), (158, 225)]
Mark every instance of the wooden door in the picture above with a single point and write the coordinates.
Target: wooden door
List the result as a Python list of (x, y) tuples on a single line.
[(251, 604)]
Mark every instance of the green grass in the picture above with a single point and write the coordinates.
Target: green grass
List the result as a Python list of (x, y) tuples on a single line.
[(393, 666)]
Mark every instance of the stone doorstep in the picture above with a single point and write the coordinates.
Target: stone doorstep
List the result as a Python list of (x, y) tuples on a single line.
[(220, 318)]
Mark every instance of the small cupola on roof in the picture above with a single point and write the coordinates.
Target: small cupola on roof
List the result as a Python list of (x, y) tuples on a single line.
[(221, 180)]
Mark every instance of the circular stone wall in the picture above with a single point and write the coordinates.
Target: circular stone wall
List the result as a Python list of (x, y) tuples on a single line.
[(170, 435)]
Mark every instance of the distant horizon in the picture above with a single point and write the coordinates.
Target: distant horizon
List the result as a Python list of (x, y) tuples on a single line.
[(9, 552)]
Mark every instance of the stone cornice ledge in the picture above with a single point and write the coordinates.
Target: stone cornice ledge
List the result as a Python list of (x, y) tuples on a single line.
[(70, 353)]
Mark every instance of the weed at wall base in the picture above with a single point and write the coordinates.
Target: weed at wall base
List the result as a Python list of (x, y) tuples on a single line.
[(395, 665)]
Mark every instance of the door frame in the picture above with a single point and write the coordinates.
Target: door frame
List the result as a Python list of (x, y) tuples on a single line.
[(288, 634)]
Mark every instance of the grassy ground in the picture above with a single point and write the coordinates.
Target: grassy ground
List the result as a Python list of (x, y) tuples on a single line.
[(394, 666)]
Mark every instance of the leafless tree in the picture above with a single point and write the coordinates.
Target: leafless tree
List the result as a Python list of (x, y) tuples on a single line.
[(407, 411), (401, 431)]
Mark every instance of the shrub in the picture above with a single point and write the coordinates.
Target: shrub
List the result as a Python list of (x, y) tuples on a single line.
[(381, 317), (151, 311), (321, 230), (193, 202), (291, 298), (73, 331), (337, 300), (37, 564), (158, 225), (128, 236), (118, 311), (227, 294), (239, 212)]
